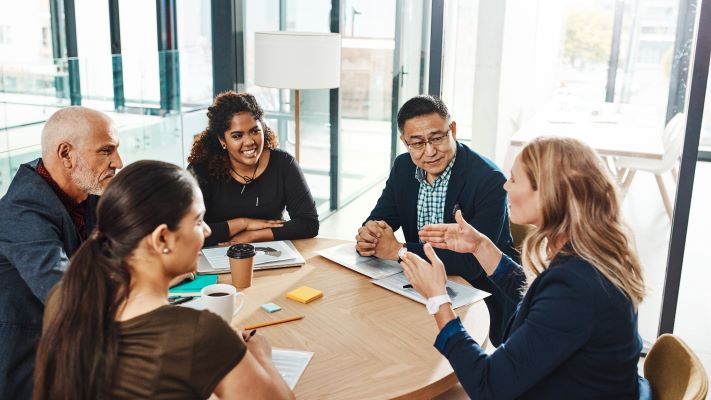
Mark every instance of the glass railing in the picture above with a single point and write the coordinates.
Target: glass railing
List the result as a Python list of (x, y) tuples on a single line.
[(30, 94), (159, 105)]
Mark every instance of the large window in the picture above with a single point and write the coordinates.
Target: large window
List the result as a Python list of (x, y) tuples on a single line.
[(368, 48), (278, 104), (195, 51), (382, 66), (29, 81), (94, 48), (694, 288), (139, 48), (26, 65), (612, 73)]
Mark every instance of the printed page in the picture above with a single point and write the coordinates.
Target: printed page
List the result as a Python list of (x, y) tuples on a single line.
[(461, 295), (217, 257), (291, 364), (346, 255)]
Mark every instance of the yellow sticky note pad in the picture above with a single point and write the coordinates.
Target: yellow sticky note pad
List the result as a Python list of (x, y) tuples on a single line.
[(304, 294)]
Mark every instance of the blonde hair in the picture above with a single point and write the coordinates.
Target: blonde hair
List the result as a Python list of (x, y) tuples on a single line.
[(579, 205)]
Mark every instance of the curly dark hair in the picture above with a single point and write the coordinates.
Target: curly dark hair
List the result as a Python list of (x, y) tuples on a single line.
[(207, 148)]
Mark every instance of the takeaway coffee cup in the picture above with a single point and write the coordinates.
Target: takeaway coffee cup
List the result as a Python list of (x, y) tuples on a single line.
[(222, 300), (241, 262)]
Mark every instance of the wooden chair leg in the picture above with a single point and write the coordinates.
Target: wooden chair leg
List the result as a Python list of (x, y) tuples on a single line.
[(626, 180), (665, 195), (610, 164), (621, 174), (675, 174)]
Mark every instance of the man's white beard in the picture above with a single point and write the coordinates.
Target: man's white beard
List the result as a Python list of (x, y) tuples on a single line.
[(85, 179)]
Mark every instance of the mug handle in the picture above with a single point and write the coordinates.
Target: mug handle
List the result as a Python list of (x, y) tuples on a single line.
[(241, 303)]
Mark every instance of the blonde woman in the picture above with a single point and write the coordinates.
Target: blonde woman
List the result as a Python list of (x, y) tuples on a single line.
[(574, 334)]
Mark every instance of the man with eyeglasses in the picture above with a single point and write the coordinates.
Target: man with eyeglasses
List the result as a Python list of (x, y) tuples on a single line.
[(428, 185)]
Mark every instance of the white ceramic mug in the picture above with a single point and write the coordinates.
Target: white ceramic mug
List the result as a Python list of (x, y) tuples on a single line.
[(226, 305)]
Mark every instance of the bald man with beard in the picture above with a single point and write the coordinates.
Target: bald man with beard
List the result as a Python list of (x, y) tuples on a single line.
[(48, 211)]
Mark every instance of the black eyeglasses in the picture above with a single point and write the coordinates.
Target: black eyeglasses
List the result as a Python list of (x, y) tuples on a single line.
[(436, 140)]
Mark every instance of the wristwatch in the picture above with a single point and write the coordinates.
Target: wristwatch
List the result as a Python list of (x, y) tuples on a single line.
[(433, 303), (401, 252)]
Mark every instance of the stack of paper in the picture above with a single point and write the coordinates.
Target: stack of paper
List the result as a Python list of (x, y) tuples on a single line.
[(461, 295), (346, 255), (389, 275), (291, 364)]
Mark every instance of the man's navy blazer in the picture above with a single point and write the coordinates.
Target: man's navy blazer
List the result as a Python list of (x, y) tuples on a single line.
[(475, 185), (37, 238)]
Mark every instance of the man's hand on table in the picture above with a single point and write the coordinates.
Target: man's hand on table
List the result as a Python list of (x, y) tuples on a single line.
[(376, 238)]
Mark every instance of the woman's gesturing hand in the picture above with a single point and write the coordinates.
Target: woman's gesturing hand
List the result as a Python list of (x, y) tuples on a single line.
[(460, 237), (428, 279)]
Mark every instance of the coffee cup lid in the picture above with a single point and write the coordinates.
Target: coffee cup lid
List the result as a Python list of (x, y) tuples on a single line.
[(241, 250)]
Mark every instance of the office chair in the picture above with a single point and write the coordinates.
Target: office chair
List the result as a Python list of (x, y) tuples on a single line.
[(674, 371), (672, 140)]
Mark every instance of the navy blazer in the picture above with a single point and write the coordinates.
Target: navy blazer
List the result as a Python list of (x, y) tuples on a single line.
[(476, 185), (37, 237), (574, 336)]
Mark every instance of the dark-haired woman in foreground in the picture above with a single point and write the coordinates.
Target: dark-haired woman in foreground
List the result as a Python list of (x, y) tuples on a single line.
[(246, 181), (574, 334), (109, 331)]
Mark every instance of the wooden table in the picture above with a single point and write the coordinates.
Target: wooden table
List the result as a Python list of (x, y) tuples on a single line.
[(368, 342)]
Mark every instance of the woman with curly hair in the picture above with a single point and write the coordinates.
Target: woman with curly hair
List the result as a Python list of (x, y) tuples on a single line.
[(246, 180)]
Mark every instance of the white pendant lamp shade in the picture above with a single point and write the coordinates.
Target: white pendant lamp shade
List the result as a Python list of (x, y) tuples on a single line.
[(297, 60)]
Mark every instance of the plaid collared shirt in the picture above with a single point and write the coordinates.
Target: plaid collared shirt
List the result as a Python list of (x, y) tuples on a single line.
[(431, 198)]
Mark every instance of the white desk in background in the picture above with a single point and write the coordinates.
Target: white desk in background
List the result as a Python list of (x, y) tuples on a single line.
[(631, 132)]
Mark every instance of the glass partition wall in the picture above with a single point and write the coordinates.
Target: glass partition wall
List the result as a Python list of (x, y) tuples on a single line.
[(151, 67), (358, 153)]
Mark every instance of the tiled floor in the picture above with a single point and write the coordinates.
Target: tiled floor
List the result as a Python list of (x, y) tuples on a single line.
[(644, 211)]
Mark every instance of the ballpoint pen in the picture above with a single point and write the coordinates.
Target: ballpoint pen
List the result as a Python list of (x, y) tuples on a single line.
[(181, 300), (451, 292), (454, 211), (250, 335)]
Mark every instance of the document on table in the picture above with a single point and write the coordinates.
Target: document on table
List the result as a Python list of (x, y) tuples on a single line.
[(291, 364), (346, 255), (461, 295), (276, 254)]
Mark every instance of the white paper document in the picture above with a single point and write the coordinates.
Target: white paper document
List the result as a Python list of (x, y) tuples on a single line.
[(291, 364), (461, 295), (346, 255), (269, 255)]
